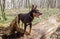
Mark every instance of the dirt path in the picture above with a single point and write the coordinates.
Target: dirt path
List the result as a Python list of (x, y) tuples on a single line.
[(43, 30)]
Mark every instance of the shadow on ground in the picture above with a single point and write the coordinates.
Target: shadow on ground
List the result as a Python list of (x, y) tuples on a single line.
[(14, 36)]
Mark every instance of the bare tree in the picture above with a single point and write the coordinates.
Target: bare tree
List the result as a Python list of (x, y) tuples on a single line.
[(39, 3), (3, 9)]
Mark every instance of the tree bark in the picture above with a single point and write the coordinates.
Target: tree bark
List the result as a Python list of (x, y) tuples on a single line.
[(3, 9)]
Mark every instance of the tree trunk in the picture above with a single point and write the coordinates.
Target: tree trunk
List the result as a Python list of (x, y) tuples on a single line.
[(3, 9)]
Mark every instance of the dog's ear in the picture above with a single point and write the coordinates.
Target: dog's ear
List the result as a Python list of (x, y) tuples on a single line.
[(32, 7)]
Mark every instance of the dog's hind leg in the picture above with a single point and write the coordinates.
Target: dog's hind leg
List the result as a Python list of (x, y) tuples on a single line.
[(25, 26)]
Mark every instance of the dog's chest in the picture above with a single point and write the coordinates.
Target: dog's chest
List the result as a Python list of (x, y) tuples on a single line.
[(27, 19)]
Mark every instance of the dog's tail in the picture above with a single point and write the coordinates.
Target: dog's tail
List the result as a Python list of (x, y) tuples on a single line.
[(18, 18)]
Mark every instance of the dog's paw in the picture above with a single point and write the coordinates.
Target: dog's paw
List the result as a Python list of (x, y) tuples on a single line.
[(24, 35), (30, 34)]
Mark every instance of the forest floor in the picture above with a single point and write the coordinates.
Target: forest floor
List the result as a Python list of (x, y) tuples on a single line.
[(46, 23), (40, 30)]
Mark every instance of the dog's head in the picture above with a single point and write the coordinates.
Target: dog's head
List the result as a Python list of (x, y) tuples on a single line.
[(35, 11)]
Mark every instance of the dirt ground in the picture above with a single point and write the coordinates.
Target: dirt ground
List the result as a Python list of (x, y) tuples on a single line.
[(40, 30)]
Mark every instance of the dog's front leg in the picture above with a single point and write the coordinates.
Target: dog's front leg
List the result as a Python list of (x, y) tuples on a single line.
[(30, 28)]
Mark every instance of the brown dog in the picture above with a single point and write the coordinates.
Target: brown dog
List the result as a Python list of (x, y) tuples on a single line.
[(28, 18)]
